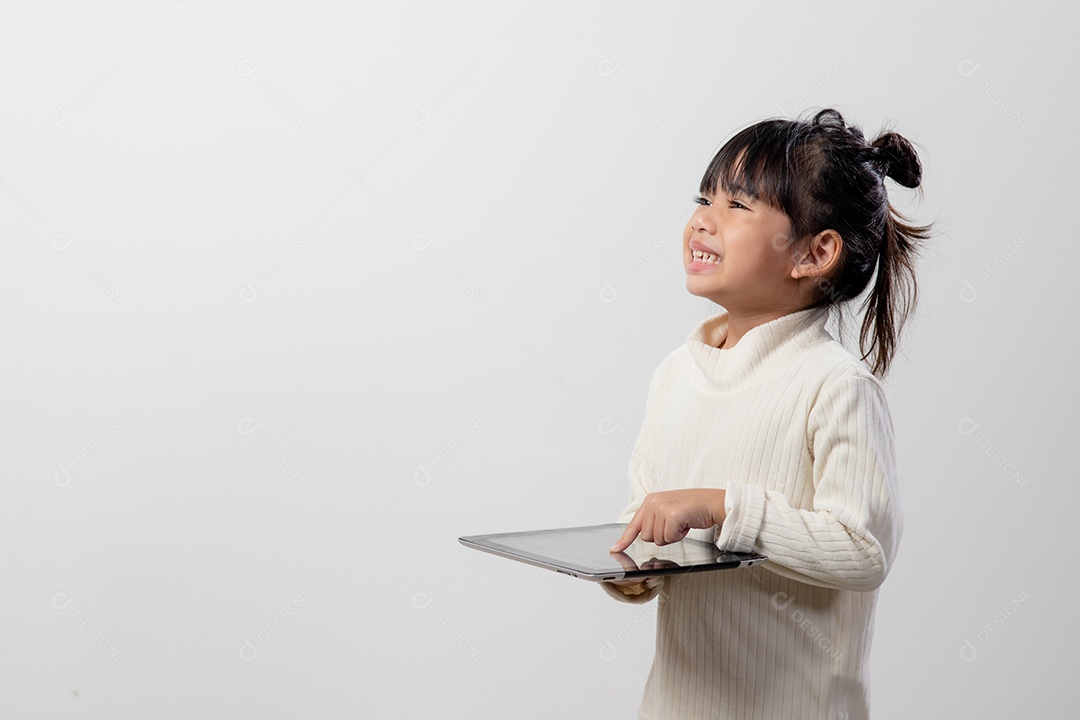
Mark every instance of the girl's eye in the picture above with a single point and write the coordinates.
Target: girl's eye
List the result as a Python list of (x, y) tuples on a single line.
[(702, 201)]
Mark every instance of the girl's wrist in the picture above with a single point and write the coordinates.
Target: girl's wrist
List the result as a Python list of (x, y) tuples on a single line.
[(717, 509)]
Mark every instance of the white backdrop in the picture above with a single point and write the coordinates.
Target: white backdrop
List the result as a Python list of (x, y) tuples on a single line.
[(294, 297)]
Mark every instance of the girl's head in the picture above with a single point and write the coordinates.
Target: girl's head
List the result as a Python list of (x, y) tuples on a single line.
[(796, 215)]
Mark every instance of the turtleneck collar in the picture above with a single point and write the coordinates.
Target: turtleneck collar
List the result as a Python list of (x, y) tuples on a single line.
[(764, 348)]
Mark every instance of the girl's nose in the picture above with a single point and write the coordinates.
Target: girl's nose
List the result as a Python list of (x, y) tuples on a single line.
[(699, 224)]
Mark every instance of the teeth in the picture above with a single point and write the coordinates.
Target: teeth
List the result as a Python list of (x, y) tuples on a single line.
[(705, 257)]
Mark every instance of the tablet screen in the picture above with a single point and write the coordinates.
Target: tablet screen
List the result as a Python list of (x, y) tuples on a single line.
[(585, 549)]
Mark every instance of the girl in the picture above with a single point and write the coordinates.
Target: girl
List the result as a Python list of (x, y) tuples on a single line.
[(764, 433)]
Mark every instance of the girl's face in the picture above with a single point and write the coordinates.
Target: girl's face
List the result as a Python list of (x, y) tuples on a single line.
[(751, 268)]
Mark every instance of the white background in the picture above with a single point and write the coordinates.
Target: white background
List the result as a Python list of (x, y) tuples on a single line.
[(295, 296)]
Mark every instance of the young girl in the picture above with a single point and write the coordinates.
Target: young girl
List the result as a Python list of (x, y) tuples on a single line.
[(764, 433)]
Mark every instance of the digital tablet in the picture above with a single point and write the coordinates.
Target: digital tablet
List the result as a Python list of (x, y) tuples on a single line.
[(583, 552)]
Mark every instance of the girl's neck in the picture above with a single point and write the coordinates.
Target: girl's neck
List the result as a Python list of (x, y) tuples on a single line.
[(740, 324)]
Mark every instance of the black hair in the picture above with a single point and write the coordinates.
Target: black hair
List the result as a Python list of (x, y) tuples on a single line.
[(823, 174)]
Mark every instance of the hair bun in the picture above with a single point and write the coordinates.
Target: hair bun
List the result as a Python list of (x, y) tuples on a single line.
[(899, 159)]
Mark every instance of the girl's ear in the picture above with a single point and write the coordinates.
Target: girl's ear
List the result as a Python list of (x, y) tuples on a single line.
[(821, 255)]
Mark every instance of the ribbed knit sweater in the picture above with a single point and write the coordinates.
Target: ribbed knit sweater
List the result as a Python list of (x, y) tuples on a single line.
[(796, 429)]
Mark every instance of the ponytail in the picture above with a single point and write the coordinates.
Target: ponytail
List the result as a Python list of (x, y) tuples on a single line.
[(895, 292)]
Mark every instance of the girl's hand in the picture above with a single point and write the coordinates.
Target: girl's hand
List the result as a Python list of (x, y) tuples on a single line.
[(666, 517)]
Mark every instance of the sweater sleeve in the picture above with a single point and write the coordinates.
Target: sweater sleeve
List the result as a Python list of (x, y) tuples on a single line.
[(848, 539), (640, 484)]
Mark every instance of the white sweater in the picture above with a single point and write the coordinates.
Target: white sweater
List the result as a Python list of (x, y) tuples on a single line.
[(796, 429)]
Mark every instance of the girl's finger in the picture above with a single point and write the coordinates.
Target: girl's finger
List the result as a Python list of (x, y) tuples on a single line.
[(658, 530), (674, 532), (629, 534), (647, 528)]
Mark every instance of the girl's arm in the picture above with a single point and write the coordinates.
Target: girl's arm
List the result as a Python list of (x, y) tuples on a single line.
[(849, 538)]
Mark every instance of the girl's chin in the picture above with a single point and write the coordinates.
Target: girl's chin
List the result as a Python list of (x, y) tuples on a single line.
[(705, 278), (704, 290)]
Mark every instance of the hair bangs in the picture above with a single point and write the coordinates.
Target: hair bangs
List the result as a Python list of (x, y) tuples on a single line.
[(755, 163)]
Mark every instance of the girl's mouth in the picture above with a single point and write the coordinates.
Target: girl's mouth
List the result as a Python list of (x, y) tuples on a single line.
[(702, 262)]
